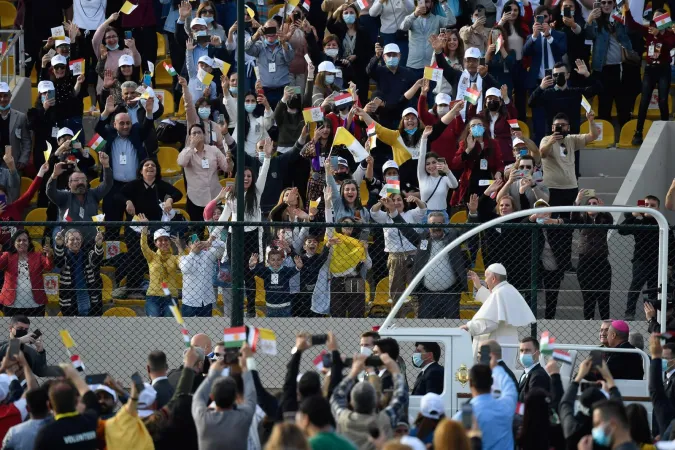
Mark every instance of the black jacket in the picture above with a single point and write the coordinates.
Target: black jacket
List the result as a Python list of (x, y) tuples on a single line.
[(151, 144), (646, 248), (664, 408), (535, 378), (625, 366), (509, 372), (164, 392), (429, 380)]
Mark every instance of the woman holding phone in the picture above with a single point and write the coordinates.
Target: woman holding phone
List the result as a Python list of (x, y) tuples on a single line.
[(569, 19), (23, 290)]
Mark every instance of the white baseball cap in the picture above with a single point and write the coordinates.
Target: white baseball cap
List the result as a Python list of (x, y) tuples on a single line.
[(342, 162), (327, 66), (125, 60), (5, 381), (60, 42), (4, 87), (431, 406), (443, 99), (518, 141), (472, 52), (391, 48), (145, 400), (409, 110), (494, 92), (413, 442), (391, 164), (64, 132), (103, 387), (44, 86), (206, 60), (58, 59), (160, 233), (497, 268), (197, 21)]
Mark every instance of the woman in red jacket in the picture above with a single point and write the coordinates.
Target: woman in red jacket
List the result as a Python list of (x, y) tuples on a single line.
[(479, 157), (445, 145), (497, 113), (23, 291), (14, 211)]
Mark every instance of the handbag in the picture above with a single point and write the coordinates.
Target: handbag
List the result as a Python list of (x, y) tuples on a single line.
[(630, 57)]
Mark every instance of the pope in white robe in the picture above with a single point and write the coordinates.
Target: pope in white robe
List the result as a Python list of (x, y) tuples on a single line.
[(502, 312)]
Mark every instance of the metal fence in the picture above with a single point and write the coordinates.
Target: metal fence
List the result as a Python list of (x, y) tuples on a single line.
[(127, 276)]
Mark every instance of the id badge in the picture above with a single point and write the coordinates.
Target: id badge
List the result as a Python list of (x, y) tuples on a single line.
[(483, 164), (272, 67), (257, 128), (123, 159), (415, 154), (275, 278), (424, 244), (651, 50), (205, 163), (562, 152), (81, 213), (17, 133), (214, 136), (55, 131), (338, 73)]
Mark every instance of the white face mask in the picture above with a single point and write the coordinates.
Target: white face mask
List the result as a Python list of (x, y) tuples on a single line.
[(366, 351), (442, 110)]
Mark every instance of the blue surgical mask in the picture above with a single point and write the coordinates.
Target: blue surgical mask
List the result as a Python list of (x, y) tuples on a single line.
[(411, 132), (664, 364), (527, 360), (349, 18), (112, 48), (204, 113), (330, 79), (600, 436), (233, 90), (541, 220), (275, 42), (477, 130), (250, 107), (5, 108), (417, 359), (392, 61), (208, 20)]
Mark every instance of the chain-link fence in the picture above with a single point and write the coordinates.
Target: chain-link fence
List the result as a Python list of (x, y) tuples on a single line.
[(312, 277)]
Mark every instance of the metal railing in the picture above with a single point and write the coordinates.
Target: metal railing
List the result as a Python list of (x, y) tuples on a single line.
[(12, 60)]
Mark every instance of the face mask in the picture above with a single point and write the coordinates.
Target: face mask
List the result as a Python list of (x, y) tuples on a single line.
[(442, 110), (411, 132), (250, 107), (208, 20), (112, 48), (493, 105), (391, 61), (477, 130), (331, 52), (349, 18), (526, 360), (600, 436), (560, 80), (664, 365), (5, 108), (366, 351), (417, 359), (233, 90), (204, 113), (330, 79), (274, 42), (20, 333)]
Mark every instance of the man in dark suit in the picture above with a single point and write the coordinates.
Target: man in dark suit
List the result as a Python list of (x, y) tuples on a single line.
[(623, 366), (667, 398), (439, 291), (157, 369), (390, 347), (534, 375), (430, 378), (496, 358), (174, 374)]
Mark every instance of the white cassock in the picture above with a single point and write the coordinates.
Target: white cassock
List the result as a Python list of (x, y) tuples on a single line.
[(503, 310)]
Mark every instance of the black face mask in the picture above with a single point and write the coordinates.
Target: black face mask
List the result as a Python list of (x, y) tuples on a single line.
[(294, 102), (560, 79), (19, 333), (341, 176), (493, 105)]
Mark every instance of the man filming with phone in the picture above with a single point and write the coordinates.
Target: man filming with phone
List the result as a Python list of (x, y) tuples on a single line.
[(522, 180), (31, 345)]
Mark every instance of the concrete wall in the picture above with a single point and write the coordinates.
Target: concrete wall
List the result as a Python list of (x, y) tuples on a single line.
[(120, 346)]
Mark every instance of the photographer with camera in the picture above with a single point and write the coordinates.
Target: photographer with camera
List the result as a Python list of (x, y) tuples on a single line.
[(521, 178), (31, 345)]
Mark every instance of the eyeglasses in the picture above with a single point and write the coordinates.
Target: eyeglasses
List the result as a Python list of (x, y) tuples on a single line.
[(525, 167), (207, 11)]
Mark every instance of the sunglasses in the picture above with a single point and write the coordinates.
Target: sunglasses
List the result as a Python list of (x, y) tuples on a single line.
[(60, 67), (207, 11)]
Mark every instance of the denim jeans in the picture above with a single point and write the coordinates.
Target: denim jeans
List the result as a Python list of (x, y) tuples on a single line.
[(284, 311), (156, 306), (197, 311)]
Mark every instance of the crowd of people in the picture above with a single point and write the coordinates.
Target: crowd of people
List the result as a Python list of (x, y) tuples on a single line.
[(419, 118), (216, 399)]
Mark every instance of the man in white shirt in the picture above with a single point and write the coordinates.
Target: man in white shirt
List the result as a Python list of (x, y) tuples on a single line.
[(198, 293)]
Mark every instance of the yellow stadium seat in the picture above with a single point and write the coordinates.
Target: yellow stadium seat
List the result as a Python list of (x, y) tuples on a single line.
[(168, 161), (466, 314), (274, 10), (524, 128), (94, 155), (60, 314), (161, 48), (107, 288), (480, 265), (607, 134), (363, 193), (181, 113), (119, 311), (653, 111), (180, 185), (36, 215), (224, 181), (96, 182), (87, 106), (162, 77), (382, 293), (166, 97), (260, 293), (628, 130), (184, 213), (459, 217), (33, 77), (25, 184), (34, 94), (8, 14), (216, 313)]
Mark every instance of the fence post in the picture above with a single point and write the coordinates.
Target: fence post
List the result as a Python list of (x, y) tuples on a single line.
[(237, 256), (534, 268)]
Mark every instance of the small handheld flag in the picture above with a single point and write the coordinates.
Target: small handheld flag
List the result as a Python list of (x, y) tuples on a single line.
[(344, 137), (562, 356), (48, 152), (234, 337), (97, 143), (585, 104), (169, 68), (69, 343), (472, 96), (205, 77), (433, 74), (546, 343), (513, 123), (318, 361), (128, 7), (267, 342), (662, 21), (393, 187), (370, 130), (312, 114), (67, 339), (77, 67)]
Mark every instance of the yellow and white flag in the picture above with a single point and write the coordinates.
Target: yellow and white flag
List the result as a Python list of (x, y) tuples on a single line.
[(344, 137)]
